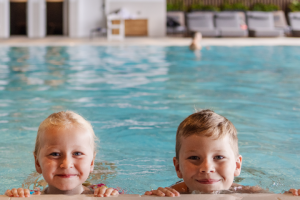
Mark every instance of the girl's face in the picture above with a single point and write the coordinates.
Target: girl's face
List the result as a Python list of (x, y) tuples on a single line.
[(65, 159)]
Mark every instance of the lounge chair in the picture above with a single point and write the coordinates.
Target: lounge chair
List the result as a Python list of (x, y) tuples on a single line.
[(294, 18), (175, 22), (261, 24), (231, 24), (280, 22), (202, 22)]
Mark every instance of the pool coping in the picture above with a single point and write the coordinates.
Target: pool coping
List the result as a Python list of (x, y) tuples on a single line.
[(185, 197), (142, 41)]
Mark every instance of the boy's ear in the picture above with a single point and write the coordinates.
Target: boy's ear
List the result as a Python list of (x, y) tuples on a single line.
[(37, 165), (177, 168), (238, 167)]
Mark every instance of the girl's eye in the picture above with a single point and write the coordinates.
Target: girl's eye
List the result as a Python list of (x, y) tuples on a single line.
[(77, 154), (219, 157), (193, 158), (54, 154)]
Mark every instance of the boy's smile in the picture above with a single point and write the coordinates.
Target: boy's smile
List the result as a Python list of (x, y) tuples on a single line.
[(65, 159), (206, 164)]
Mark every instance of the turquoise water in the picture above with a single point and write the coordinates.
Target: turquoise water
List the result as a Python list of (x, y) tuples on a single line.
[(135, 98)]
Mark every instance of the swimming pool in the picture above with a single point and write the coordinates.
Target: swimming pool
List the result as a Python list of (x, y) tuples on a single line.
[(135, 98)]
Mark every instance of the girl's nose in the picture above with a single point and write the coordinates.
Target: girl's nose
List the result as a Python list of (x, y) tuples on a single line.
[(207, 166), (66, 163)]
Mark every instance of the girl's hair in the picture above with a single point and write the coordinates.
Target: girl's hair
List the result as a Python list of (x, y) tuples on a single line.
[(64, 119)]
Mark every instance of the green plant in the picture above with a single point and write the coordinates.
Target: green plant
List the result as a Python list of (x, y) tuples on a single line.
[(294, 6), (265, 7), (234, 6), (200, 6), (176, 5)]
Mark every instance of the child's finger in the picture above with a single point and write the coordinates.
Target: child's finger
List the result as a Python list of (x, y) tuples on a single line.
[(148, 192), (294, 192), (27, 193), (101, 191), (108, 192), (115, 192), (170, 192), (37, 193), (8, 193), (21, 192), (159, 192), (96, 192), (177, 194), (14, 192)]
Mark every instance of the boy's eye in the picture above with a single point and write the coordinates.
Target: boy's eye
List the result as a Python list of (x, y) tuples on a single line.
[(78, 154), (194, 158), (54, 154), (219, 157)]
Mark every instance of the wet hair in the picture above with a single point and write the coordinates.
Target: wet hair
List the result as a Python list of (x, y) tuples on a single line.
[(64, 120), (195, 33), (209, 124)]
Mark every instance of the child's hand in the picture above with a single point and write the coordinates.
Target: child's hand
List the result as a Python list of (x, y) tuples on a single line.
[(295, 192), (162, 192), (105, 192), (20, 192)]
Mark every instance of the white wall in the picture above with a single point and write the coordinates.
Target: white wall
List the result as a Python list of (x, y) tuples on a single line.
[(153, 10), (85, 15), (36, 18), (4, 19)]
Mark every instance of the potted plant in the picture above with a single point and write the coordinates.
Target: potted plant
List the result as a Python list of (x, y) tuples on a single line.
[(265, 7), (238, 6), (176, 5), (294, 6), (201, 7)]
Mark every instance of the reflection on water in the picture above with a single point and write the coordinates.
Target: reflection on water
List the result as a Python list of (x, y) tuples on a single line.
[(34, 180)]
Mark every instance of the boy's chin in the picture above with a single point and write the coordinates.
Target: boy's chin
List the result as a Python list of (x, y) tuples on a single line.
[(207, 190)]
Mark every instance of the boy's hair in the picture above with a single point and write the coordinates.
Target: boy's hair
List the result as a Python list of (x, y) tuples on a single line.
[(207, 123), (64, 119)]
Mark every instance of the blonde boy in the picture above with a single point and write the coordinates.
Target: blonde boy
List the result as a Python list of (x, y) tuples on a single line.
[(207, 156)]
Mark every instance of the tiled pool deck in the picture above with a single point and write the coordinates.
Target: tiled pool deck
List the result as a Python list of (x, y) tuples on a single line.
[(169, 41)]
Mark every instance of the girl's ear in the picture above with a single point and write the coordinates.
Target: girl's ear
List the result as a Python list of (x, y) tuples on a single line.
[(238, 166), (92, 164), (37, 165), (177, 168)]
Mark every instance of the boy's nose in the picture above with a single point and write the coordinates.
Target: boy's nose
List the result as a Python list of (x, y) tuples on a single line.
[(207, 167), (66, 163)]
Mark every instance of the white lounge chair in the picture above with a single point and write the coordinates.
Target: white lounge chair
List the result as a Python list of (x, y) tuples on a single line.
[(294, 18), (231, 24), (202, 22), (261, 24)]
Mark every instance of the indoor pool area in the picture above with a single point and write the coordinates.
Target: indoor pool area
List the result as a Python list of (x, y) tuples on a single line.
[(135, 96)]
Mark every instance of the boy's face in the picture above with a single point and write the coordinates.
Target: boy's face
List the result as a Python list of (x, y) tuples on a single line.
[(65, 158), (206, 164)]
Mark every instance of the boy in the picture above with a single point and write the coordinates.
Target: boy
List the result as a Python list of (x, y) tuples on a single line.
[(207, 157)]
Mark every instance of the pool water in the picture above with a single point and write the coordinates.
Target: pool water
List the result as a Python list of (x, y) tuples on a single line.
[(135, 97)]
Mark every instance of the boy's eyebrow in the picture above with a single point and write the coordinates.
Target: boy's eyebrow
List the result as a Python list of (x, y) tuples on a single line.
[(214, 150)]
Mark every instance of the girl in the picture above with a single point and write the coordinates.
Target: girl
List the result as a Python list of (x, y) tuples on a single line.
[(64, 154)]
